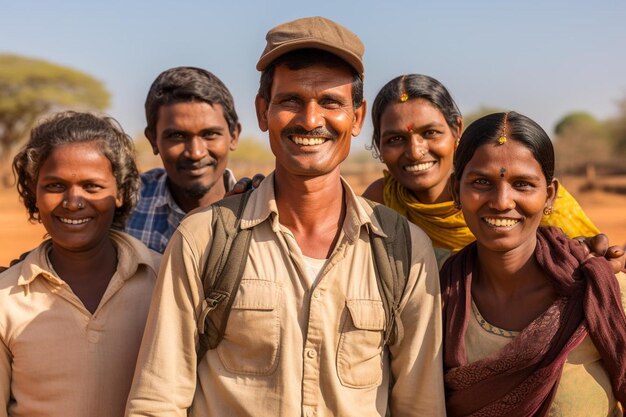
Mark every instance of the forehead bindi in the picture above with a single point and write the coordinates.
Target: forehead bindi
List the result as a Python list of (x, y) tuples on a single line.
[(509, 159), (411, 115)]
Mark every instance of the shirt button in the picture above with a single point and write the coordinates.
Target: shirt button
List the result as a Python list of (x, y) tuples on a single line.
[(316, 294), (311, 354), (309, 413)]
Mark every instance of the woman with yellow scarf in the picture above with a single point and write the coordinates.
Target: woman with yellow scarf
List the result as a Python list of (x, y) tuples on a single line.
[(416, 128)]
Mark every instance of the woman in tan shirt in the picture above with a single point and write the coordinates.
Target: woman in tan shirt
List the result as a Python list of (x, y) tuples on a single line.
[(73, 310)]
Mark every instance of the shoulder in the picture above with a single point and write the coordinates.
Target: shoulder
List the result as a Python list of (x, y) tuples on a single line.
[(374, 191), (151, 178)]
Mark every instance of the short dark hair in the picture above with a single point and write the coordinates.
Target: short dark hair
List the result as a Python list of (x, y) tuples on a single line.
[(188, 84), (414, 86), (305, 58), (72, 127), (519, 128)]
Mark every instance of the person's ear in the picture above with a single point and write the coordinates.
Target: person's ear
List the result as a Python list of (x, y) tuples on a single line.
[(119, 200), (234, 139), (262, 106), (553, 189), (459, 129), (359, 118), (151, 136)]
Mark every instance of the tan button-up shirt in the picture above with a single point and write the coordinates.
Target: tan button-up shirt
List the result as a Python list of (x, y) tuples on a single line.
[(56, 358), (291, 349)]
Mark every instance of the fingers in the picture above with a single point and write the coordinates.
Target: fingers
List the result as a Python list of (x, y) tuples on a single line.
[(256, 180), (598, 244), (245, 184), (616, 257), (242, 185)]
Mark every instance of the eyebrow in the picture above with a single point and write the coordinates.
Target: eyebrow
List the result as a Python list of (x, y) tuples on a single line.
[(432, 125), (215, 128), (483, 173), (324, 96)]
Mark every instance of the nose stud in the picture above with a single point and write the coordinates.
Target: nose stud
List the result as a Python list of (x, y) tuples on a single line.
[(80, 205)]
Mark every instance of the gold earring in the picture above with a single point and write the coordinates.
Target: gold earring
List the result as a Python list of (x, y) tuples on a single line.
[(547, 210)]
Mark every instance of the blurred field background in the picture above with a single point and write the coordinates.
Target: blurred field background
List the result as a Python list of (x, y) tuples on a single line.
[(606, 208)]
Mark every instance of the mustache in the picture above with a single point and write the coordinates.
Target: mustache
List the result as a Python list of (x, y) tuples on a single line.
[(319, 132), (185, 163)]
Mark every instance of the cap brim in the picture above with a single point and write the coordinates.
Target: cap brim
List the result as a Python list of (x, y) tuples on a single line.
[(353, 60)]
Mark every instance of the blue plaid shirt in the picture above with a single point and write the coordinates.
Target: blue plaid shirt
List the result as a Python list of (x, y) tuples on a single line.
[(157, 215)]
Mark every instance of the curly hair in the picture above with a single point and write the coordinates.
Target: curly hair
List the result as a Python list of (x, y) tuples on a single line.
[(74, 127)]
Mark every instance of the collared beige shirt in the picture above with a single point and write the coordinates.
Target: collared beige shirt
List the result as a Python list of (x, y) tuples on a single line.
[(291, 349), (56, 358)]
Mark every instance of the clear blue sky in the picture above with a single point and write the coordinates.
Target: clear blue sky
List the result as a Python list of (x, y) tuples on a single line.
[(542, 58)]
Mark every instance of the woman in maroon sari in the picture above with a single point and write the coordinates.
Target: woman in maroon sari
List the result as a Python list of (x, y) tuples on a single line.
[(532, 327)]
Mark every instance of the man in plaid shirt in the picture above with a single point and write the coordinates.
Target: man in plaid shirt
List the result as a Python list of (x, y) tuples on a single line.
[(192, 125)]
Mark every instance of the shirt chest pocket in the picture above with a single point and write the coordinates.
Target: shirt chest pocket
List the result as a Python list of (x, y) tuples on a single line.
[(360, 351), (251, 343)]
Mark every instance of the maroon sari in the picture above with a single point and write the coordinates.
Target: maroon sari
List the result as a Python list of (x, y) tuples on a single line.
[(521, 379)]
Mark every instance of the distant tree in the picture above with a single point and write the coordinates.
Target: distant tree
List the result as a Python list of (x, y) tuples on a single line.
[(30, 88), (477, 114), (580, 139), (617, 129)]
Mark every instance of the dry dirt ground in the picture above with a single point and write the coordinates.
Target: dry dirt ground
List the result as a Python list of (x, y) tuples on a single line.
[(607, 211)]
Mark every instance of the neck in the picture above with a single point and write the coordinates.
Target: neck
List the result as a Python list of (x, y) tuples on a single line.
[(508, 272), (313, 208), (86, 264), (188, 203), (439, 193)]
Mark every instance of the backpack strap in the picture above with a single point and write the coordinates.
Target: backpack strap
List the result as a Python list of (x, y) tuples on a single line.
[(392, 262), (223, 269)]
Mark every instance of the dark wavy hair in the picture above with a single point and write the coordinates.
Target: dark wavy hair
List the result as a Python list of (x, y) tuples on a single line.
[(519, 128), (73, 127), (188, 84), (414, 86)]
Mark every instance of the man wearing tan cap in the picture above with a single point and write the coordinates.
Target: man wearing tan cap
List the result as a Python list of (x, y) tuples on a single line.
[(306, 335)]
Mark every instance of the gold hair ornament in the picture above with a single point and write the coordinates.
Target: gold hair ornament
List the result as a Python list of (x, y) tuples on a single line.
[(502, 138)]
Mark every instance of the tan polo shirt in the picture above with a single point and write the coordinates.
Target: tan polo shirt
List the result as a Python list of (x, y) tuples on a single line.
[(290, 349), (56, 358)]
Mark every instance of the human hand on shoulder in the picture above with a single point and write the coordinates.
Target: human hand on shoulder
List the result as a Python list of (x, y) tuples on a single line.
[(245, 184), (598, 245)]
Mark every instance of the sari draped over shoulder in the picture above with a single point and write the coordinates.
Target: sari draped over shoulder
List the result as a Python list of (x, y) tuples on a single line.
[(446, 227), (521, 379)]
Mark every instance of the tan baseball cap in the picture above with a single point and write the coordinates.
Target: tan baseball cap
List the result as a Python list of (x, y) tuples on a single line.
[(313, 32)]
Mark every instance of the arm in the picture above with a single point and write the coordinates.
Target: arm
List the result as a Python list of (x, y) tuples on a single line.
[(165, 375), (374, 191), (416, 358), (5, 375)]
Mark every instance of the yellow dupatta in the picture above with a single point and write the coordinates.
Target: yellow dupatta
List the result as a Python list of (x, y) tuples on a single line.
[(446, 227), (442, 222)]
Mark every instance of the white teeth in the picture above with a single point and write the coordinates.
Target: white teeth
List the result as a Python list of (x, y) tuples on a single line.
[(498, 222), (72, 221), (419, 167), (307, 141)]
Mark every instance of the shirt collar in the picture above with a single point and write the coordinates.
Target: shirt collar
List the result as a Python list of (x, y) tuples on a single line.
[(131, 253), (262, 205)]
